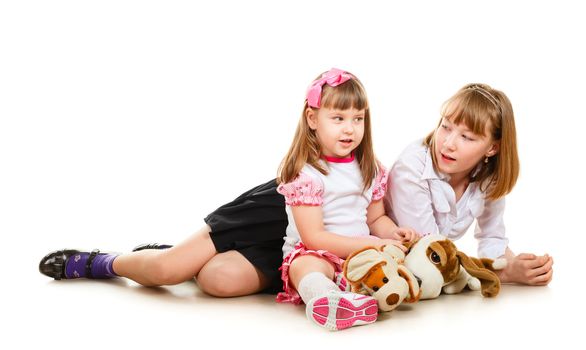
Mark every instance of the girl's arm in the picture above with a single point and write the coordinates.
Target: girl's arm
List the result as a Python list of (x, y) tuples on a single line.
[(524, 268), (382, 226), (490, 229), (309, 222)]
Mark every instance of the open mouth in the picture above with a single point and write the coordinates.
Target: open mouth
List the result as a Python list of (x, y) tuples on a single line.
[(346, 141), (447, 157)]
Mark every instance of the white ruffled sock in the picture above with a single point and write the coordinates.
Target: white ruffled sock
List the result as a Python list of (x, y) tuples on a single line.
[(315, 284)]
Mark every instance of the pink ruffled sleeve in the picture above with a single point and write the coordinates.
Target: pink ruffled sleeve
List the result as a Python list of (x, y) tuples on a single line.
[(304, 190), (380, 183)]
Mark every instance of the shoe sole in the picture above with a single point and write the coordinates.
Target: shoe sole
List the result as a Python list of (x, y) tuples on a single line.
[(335, 312), (151, 246)]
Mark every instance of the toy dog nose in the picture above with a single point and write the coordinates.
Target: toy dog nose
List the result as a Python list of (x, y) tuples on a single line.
[(392, 299)]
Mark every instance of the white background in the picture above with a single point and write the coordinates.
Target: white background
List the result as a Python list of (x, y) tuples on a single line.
[(125, 122)]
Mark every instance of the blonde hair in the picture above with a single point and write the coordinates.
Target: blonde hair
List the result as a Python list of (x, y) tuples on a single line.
[(305, 148), (482, 108)]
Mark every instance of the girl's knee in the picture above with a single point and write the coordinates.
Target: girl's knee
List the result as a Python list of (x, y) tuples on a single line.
[(311, 263), (228, 281)]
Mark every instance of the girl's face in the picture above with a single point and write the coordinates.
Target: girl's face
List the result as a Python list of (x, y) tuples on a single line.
[(338, 132), (458, 150)]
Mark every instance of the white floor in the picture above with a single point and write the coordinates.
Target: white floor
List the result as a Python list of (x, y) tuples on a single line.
[(41, 313)]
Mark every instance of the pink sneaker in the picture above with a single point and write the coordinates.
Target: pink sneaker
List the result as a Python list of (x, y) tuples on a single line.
[(341, 282), (338, 310)]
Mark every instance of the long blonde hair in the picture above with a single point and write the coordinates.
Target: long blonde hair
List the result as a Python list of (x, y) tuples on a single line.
[(479, 105), (305, 148)]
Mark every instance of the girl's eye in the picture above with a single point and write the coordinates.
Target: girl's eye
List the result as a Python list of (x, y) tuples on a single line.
[(338, 118), (444, 126), (467, 138), (359, 119)]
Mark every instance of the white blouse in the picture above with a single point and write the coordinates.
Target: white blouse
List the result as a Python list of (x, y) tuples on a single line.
[(421, 198)]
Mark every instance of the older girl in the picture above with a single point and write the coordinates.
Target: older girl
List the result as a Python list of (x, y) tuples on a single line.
[(461, 172)]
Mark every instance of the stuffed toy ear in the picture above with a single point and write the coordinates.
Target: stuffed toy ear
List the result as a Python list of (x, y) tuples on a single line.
[(393, 252), (359, 264), (414, 292), (492, 265), (489, 281)]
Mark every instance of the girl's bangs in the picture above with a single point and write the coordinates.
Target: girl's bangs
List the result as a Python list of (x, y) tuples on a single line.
[(347, 95), (471, 111)]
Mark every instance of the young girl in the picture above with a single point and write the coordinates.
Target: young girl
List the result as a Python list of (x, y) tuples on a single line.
[(461, 172), (333, 188)]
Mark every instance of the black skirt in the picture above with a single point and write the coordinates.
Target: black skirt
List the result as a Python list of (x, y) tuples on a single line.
[(254, 225)]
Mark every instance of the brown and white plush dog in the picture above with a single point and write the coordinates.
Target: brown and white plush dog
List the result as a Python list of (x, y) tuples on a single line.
[(380, 274), (437, 264)]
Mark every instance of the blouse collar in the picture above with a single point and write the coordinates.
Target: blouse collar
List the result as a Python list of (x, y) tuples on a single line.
[(429, 171)]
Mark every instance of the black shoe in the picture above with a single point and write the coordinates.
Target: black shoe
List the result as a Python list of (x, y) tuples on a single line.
[(151, 246), (53, 264)]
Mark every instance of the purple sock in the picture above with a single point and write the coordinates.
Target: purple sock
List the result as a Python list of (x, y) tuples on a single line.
[(101, 266)]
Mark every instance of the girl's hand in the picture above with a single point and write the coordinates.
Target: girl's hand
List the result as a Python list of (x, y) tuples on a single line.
[(404, 235), (528, 269)]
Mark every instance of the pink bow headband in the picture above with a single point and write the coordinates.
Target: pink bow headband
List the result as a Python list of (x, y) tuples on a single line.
[(333, 77)]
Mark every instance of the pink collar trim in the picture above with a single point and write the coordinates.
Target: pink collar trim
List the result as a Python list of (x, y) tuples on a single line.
[(339, 160)]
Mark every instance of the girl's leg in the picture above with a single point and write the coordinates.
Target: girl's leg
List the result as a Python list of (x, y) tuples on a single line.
[(306, 264), (169, 266), (327, 306), (311, 276), (230, 274)]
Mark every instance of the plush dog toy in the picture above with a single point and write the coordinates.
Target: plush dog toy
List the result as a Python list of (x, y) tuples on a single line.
[(436, 263), (380, 274)]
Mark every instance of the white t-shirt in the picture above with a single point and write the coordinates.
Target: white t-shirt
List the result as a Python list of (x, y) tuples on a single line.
[(340, 195), (421, 198)]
